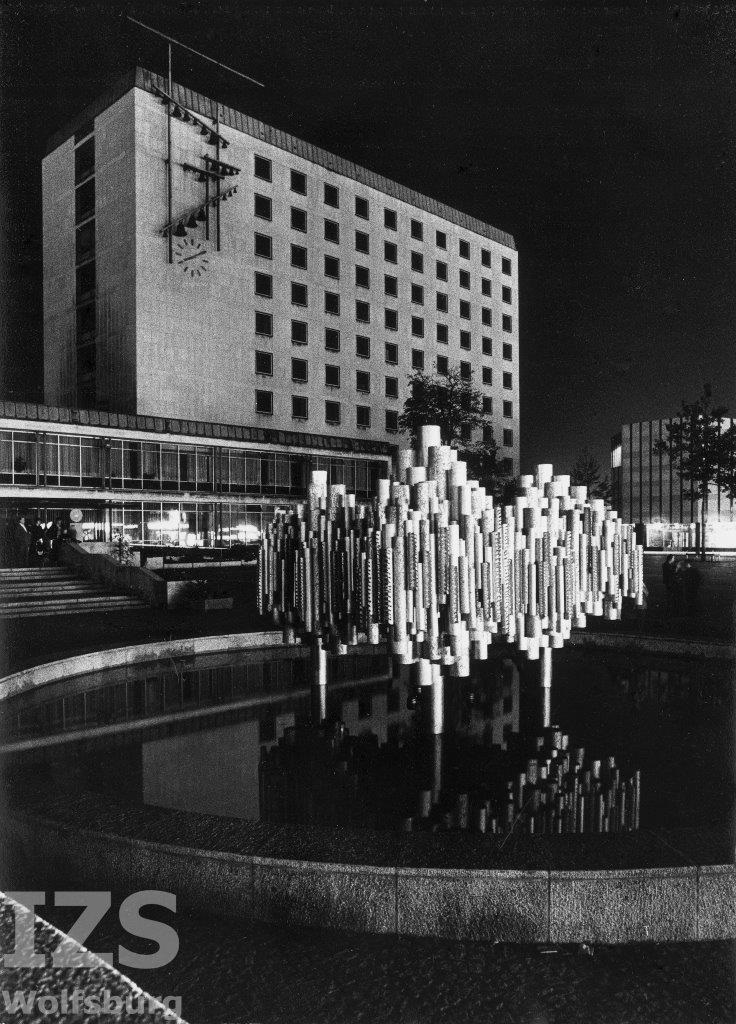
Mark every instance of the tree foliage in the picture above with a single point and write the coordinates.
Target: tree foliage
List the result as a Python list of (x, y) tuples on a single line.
[(456, 407), (588, 472), (702, 445)]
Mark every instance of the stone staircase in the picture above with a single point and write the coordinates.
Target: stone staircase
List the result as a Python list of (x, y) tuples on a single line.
[(52, 591)]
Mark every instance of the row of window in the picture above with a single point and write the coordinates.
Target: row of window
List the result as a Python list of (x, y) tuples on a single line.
[(263, 282), (332, 378), (333, 414), (331, 197), (299, 297)]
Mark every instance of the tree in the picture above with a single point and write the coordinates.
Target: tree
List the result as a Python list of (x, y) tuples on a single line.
[(452, 403), (702, 448), (588, 472)]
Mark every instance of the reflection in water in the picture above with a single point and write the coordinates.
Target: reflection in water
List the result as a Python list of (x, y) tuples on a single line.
[(232, 735)]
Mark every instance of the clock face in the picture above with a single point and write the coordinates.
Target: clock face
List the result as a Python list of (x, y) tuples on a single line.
[(191, 256)]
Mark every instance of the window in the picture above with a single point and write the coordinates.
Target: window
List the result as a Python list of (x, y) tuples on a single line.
[(487, 375), (332, 303), (441, 302), (508, 410), (391, 319), (361, 207), (465, 371), (392, 353), (264, 285), (299, 407), (443, 365), (262, 168), (361, 241), (262, 207), (389, 219), (299, 256), (485, 257), (417, 326), (262, 246), (464, 339), (487, 405), (390, 285), (486, 316), (465, 279), (332, 196), (264, 363), (363, 381), (440, 239), (264, 324), (465, 250), (417, 230), (299, 333), (487, 347), (485, 285), (332, 339), (465, 309), (441, 271), (508, 381), (332, 413), (390, 252), (505, 266), (363, 417), (507, 351), (332, 231), (362, 277), (299, 371), (363, 312), (298, 294), (507, 323), (298, 219), (506, 294), (332, 267), (442, 334), (332, 376), (362, 346), (264, 402), (417, 359), (508, 438), (392, 387), (417, 262), (299, 182)]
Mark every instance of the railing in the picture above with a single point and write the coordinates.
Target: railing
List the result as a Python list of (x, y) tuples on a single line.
[(100, 566)]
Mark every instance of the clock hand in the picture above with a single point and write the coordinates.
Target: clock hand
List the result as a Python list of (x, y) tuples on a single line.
[(192, 257)]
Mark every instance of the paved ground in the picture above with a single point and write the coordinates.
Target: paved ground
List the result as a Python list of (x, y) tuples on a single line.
[(237, 973)]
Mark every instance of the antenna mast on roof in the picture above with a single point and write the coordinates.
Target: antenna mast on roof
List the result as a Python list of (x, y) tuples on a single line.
[(219, 64)]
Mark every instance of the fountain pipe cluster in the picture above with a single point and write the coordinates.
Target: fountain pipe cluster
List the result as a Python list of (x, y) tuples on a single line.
[(434, 566)]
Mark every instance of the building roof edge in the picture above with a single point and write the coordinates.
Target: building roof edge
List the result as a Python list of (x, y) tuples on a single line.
[(149, 81)]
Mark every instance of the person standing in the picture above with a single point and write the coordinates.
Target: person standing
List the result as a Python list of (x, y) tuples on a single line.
[(669, 578), (21, 542)]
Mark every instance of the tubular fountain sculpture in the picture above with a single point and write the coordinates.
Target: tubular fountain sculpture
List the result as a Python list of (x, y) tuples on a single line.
[(436, 568)]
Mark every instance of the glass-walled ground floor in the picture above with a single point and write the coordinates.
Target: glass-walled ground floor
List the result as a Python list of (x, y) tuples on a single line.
[(155, 523)]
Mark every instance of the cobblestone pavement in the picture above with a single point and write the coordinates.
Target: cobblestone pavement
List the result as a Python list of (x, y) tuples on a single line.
[(230, 974)]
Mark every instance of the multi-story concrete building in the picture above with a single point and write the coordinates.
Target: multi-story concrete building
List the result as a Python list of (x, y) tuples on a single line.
[(226, 307), (647, 489), (200, 264)]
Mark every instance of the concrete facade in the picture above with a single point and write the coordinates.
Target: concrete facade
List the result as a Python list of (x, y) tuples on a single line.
[(178, 344)]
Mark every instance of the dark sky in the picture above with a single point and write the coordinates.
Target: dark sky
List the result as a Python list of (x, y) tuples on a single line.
[(603, 137)]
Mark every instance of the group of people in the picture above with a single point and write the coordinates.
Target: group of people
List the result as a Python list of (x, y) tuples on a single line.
[(681, 578), (28, 541)]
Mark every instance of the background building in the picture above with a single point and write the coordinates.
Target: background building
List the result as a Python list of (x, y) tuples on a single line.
[(270, 284), (647, 489)]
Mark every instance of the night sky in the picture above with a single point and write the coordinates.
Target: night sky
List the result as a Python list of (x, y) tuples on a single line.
[(602, 137)]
